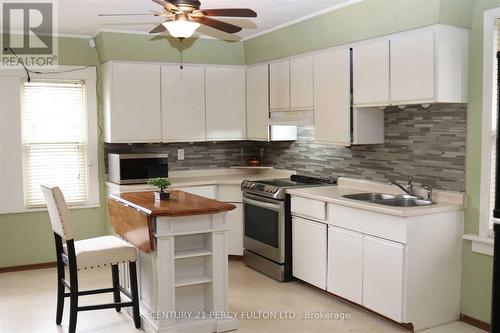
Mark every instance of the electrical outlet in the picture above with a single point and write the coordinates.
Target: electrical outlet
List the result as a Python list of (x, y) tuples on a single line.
[(180, 154)]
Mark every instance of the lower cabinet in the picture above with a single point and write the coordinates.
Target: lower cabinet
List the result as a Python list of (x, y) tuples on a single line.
[(235, 234), (309, 255), (203, 191), (345, 263), (383, 276)]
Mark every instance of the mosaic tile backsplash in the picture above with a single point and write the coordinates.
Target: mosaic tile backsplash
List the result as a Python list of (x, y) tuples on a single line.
[(426, 143)]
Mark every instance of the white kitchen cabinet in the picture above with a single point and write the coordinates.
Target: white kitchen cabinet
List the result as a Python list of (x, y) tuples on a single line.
[(258, 103), (383, 277), (132, 102), (332, 97), (279, 89), (345, 263), (429, 65), (309, 251), (234, 220), (302, 84), (183, 103), (225, 103), (371, 73)]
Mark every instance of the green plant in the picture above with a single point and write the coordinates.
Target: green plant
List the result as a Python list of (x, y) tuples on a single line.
[(161, 183)]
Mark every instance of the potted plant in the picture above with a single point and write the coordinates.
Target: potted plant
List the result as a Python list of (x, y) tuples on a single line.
[(162, 184)]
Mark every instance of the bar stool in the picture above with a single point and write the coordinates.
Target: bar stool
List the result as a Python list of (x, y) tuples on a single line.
[(88, 254)]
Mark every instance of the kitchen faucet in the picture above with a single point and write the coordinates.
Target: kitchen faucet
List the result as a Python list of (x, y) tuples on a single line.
[(408, 188)]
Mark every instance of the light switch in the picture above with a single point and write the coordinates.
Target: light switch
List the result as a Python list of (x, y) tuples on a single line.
[(180, 154)]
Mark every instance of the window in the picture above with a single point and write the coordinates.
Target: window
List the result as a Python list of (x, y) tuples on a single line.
[(494, 133), (54, 132)]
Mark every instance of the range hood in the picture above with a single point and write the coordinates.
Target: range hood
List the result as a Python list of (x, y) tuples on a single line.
[(291, 118)]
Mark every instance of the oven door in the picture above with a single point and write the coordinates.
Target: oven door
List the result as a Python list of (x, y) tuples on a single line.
[(264, 227)]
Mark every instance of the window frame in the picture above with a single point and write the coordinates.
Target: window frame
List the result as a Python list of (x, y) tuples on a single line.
[(483, 242), (89, 76)]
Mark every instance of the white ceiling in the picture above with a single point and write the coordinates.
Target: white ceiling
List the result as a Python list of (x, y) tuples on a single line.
[(79, 17)]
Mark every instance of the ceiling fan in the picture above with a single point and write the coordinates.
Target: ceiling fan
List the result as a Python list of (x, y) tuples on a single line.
[(183, 17)]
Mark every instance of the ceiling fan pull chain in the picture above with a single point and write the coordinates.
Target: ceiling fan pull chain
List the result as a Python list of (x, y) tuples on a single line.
[(181, 49)]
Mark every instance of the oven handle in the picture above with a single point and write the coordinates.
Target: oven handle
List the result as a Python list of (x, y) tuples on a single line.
[(267, 205)]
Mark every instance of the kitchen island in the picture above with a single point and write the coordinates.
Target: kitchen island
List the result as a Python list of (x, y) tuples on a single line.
[(182, 261)]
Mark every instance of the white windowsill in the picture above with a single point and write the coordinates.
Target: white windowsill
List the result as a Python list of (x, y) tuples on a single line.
[(44, 209), (481, 244)]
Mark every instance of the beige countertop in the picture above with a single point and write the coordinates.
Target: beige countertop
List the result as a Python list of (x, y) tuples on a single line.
[(445, 201), (208, 177)]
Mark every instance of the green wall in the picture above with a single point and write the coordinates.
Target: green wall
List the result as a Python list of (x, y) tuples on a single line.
[(122, 46)]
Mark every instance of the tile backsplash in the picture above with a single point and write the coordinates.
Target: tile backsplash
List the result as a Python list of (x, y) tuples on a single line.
[(426, 143)]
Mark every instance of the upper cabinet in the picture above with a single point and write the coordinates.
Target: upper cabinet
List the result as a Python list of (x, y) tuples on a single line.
[(292, 84), (279, 90), (225, 98), (302, 83), (371, 74), (183, 103), (132, 102), (429, 65), (258, 103), (332, 96)]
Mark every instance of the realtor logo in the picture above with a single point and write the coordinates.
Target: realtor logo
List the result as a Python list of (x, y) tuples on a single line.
[(29, 33)]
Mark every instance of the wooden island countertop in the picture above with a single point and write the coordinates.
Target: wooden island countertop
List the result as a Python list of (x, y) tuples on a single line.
[(180, 204)]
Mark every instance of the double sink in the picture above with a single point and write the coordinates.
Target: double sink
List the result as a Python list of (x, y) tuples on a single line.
[(390, 200)]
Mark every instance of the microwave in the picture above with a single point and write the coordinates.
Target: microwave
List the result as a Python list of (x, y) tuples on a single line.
[(136, 168)]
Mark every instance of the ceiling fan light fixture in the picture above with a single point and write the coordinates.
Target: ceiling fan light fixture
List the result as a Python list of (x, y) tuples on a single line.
[(181, 28)]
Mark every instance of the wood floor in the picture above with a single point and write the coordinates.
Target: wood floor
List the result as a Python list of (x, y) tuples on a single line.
[(27, 304)]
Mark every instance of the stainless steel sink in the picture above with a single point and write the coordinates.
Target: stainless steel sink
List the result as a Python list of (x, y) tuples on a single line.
[(389, 199)]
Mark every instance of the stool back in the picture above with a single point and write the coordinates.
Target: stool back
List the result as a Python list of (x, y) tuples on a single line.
[(60, 217)]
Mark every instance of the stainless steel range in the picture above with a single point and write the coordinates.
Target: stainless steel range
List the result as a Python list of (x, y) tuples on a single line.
[(268, 223)]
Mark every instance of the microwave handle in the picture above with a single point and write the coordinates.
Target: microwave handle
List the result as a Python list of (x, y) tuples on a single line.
[(261, 204)]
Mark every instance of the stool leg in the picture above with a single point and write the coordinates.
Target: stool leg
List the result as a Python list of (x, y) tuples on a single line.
[(135, 294), (73, 307), (116, 283), (60, 295)]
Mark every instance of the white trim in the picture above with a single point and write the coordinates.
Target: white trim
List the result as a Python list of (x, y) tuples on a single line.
[(304, 18), (488, 87), (482, 245)]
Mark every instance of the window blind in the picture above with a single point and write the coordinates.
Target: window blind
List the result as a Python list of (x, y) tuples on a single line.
[(494, 133), (54, 140)]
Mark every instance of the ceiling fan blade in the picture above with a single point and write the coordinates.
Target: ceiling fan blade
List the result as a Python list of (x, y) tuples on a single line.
[(158, 29), (230, 12), (219, 25), (150, 14), (167, 5)]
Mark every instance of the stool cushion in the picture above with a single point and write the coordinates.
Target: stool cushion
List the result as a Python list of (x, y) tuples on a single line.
[(102, 251)]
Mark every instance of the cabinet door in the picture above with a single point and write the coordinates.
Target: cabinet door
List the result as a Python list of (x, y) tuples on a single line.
[(183, 103), (309, 247), (225, 98), (132, 102), (302, 83), (383, 277), (203, 191), (234, 219), (371, 74), (258, 103), (413, 67), (332, 97), (345, 263), (279, 73)]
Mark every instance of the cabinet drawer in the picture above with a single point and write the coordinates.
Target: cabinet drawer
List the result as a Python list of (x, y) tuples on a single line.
[(368, 222), (309, 208), (229, 193)]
